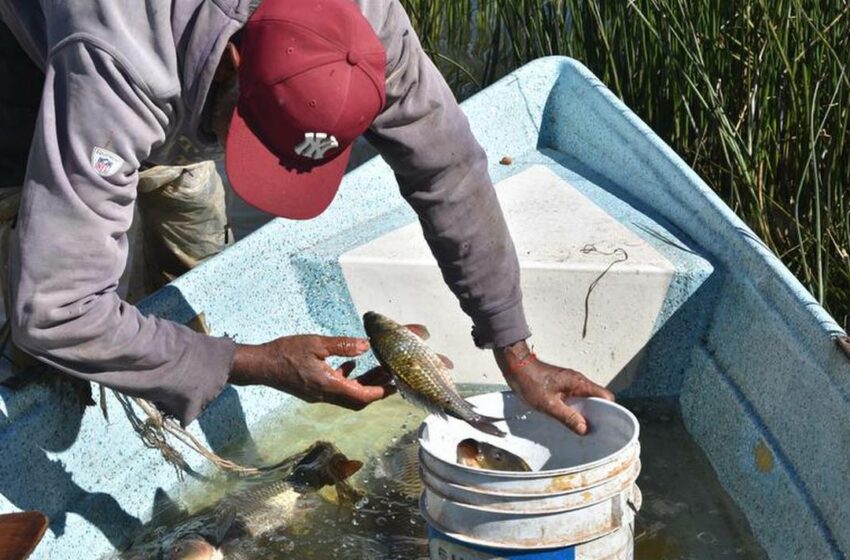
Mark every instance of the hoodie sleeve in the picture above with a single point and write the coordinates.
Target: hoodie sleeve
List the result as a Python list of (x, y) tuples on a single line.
[(70, 247), (442, 172)]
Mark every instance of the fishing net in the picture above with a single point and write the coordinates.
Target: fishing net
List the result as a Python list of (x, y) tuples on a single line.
[(159, 432)]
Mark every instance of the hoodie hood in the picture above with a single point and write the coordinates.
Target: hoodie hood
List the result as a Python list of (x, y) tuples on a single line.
[(171, 47)]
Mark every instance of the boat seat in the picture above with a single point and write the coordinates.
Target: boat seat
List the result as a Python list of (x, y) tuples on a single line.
[(597, 287)]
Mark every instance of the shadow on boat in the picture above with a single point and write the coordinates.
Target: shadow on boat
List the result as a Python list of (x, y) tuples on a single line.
[(43, 419)]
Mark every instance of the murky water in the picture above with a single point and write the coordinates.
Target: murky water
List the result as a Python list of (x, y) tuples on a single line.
[(685, 514)]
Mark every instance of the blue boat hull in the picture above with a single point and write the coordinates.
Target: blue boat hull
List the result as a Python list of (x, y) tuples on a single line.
[(738, 344)]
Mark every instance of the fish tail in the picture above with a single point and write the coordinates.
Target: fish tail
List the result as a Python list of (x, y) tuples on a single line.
[(503, 419), (485, 424), (491, 418)]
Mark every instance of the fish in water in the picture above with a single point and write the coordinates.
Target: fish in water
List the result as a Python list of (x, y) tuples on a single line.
[(419, 373), (398, 467), (483, 455), (266, 503)]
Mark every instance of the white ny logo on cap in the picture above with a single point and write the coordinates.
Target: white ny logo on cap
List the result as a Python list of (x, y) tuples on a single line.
[(316, 144)]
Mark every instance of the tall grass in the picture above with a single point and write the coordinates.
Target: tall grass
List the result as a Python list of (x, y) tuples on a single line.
[(754, 95)]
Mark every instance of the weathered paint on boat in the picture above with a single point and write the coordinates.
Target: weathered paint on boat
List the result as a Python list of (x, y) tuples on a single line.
[(738, 342)]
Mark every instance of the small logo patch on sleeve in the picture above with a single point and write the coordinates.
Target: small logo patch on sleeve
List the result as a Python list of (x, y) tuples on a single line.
[(105, 163)]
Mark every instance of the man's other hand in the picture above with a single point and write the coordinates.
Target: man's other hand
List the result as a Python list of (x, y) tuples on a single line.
[(544, 387), (296, 365)]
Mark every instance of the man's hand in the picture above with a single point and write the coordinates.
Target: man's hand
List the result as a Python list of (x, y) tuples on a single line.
[(544, 387), (296, 365)]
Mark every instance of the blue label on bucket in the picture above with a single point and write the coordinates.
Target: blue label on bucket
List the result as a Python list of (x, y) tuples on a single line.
[(443, 547)]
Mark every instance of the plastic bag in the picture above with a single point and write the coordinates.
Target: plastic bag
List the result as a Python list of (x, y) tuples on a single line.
[(184, 220)]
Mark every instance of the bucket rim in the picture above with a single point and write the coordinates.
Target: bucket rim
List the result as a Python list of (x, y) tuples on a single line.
[(626, 486), (634, 467), (627, 447)]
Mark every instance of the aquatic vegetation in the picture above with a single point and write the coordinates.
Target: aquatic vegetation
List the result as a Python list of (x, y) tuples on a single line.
[(754, 95)]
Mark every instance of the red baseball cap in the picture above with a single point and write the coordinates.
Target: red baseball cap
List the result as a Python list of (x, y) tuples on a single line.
[(311, 80)]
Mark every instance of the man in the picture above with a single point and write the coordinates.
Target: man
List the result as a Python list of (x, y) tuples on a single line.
[(286, 87)]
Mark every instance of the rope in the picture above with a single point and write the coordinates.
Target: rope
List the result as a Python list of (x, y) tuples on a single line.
[(623, 256), (156, 429)]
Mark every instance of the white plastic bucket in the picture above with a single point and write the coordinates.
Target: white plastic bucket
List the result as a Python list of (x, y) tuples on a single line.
[(540, 503), (581, 489), (618, 545)]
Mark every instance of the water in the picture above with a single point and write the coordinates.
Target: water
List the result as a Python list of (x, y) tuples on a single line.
[(685, 515)]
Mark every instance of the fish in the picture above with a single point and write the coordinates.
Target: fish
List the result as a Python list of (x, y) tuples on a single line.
[(398, 467), (421, 376), (263, 504), (483, 455)]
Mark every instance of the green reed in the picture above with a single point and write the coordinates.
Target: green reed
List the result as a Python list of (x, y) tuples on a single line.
[(754, 95)]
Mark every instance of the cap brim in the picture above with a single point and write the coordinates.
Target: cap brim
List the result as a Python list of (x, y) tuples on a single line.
[(258, 177)]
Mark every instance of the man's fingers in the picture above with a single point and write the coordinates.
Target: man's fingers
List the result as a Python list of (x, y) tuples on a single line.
[(602, 392), (590, 389), (346, 368), (574, 384), (344, 346), (568, 415), (351, 394), (375, 376)]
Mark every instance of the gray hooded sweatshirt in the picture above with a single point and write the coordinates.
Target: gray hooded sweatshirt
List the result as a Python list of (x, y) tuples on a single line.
[(131, 78)]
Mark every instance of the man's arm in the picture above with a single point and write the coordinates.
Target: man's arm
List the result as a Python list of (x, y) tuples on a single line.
[(442, 172), (70, 243)]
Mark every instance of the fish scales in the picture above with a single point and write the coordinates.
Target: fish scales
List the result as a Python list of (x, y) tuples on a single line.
[(419, 372), (255, 497), (423, 371)]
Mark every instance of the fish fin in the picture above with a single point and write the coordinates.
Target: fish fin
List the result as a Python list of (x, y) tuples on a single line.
[(20, 533), (347, 467), (223, 525), (419, 330), (446, 361), (486, 418), (165, 507), (485, 424), (411, 396)]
